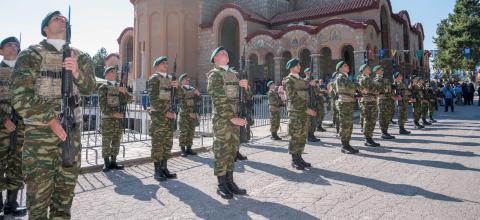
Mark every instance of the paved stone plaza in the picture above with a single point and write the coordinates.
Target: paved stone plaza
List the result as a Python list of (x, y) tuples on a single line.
[(431, 174)]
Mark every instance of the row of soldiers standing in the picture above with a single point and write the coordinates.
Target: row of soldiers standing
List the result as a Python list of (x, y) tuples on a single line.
[(378, 97)]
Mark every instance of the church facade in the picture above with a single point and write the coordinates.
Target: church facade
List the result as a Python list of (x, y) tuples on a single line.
[(268, 33)]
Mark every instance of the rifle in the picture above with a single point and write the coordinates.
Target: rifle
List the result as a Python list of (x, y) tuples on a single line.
[(173, 98), (196, 110), (244, 104), (67, 117), (13, 135), (122, 108)]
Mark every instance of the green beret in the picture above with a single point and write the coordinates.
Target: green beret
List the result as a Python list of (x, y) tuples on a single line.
[(270, 83), (339, 65), (292, 63), (377, 67), (47, 19), (183, 76), (362, 67), (214, 53), (159, 60), (9, 40), (396, 74), (307, 70), (108, 69)]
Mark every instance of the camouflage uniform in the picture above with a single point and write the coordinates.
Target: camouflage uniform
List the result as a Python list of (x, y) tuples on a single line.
[(11, 177), (188, 101), (405, 93), (297, 93), (333, 100), (37, 98), (417, 95), (223, 87), (320, 107), (386, 105), (159, 92), (345, 104), (275, 104), (313, 120), (368, 104), (425, 103), (110, 99), (432, 98)]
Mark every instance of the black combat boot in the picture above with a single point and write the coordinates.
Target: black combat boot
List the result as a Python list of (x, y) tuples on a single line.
[(106, 164), (164, 169), (349, 149), (312, 138), (114, 165), (240, 156), (222, 188), (386, 135), (425, 122), (183, 152), (418, 125), (432, 120), (370, 143), (404, 131), (296, 163), (305, 164), (11, 205), (320, 128), (232, 186), (159, 175), (275, 136), (190, 151)]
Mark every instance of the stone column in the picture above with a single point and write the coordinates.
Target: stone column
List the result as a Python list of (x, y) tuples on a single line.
[(278, 67), (316, 65)]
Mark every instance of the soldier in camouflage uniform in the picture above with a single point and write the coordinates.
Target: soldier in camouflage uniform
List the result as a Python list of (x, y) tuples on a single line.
[(298, 113), (313, 93), (224, 87), (321, 93), (333, 102), (345, 104), (111, 95), (275, 105), (425, 102), (403, 97), (37, 99), (159, 88), (11, 178), (386, 104), (189, 102), (432, 98), (417, 95), (368, 104)]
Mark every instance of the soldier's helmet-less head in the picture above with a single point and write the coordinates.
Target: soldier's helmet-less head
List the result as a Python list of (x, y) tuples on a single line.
[(53, 15), (10, 40)]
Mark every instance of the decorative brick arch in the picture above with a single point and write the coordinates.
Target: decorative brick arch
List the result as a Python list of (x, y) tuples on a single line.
[(221, 16)]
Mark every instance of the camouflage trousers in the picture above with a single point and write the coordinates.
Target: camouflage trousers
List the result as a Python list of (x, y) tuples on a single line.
[(320, 113), (297, 130), (187, 130), (417, 111), (345, 119), (274, 121), (425, 107), (386, 108), (49, 184), (225, 145), (162, 137), (402, 113), (312, 124), (111, 136), (335, 115), (368, 115), (11, 176), (431, 108)]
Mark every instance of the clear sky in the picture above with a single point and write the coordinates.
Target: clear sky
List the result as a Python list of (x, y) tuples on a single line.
[(98, 23)]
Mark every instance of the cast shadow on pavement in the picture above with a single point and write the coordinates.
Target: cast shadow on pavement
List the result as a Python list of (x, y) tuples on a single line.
[(206, 207), (130, 185)]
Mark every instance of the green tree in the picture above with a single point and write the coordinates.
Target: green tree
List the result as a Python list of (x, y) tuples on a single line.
[(99, 62), (460, 30)]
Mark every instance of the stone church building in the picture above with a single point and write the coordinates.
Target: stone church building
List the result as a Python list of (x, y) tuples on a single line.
[(270, 32)]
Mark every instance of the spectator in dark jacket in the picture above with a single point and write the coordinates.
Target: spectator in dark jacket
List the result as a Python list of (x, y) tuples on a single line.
[(471, 93)]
